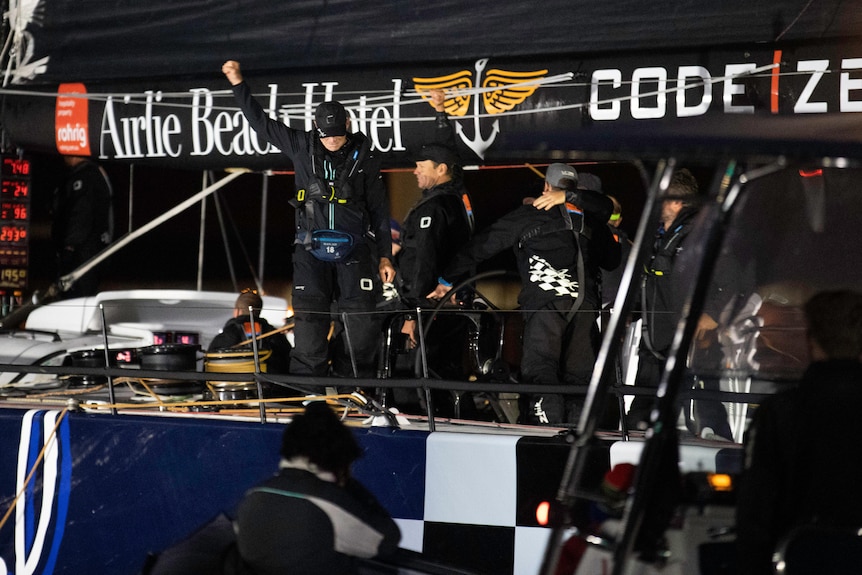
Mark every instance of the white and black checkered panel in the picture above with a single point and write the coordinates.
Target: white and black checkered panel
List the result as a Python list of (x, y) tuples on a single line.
[(547, 278)]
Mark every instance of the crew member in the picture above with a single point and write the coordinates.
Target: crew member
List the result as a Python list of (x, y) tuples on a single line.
[(342, 230), (560, 251), (238, 332), (313, 517), (83, 221), (440, 223)]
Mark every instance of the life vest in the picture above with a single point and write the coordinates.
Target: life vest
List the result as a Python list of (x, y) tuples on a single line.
[(325, 191), (249, 332), (667, 246), (325, 185)]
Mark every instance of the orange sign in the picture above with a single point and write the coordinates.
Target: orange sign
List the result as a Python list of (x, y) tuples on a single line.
[(71, 124)]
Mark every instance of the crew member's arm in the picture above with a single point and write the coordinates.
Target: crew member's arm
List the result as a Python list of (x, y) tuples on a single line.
[(501, 235), (441, 290), (232, 72), (604, 246), (377, 204), (275, 132), (595, 203), (444, 131), (705, 326), (386, 270), (549, 199)]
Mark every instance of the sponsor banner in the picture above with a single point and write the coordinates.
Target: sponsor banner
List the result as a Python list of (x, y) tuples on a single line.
[(196, 123), (71, 124)]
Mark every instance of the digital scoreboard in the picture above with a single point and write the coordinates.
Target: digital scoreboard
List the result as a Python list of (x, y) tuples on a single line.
[(14, 222)]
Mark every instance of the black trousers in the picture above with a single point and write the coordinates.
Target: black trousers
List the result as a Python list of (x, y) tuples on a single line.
[(348, 283), (558, 351), (67, 262)]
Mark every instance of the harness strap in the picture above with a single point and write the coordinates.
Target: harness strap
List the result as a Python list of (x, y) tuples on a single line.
[(662, 249), (576, 305), (341, 189)]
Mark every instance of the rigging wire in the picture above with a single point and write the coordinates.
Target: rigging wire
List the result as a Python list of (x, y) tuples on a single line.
[(292, 112), (795, 20)]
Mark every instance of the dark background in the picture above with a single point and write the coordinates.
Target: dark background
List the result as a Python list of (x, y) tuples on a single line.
[(167, 257)]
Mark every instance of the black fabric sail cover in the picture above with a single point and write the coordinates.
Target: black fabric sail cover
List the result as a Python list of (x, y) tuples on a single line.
[(142, 82)]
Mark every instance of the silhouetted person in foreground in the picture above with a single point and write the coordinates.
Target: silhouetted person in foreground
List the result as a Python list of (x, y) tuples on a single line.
[(803, 455), (312, 517)]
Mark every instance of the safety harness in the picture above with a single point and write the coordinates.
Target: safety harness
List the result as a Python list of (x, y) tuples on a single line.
[(660, 265), (321, 238)]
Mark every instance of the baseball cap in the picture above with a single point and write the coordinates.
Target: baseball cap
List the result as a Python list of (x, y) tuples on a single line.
[(587, 181), (438, 153), (331, 119), (561, 176)]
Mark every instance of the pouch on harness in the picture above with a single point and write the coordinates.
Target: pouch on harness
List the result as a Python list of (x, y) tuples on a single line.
[(330, 245), (321, 238)]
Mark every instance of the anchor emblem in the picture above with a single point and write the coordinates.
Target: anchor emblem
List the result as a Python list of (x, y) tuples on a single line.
[(500, 91)]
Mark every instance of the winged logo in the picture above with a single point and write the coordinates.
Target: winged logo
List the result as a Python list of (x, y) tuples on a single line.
[(501, 91), (457, 86), (514, 88)]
